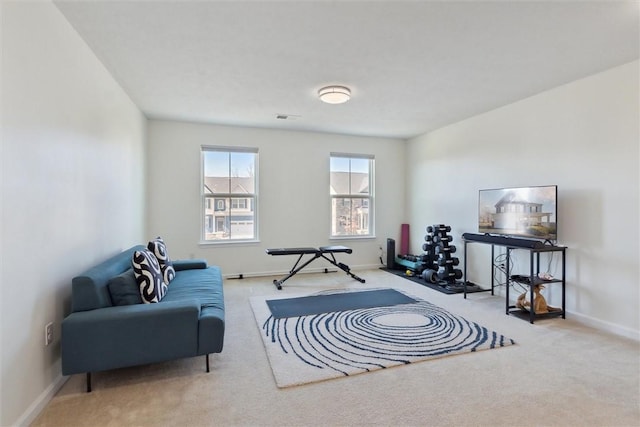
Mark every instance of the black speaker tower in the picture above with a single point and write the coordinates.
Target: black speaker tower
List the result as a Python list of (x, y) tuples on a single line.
[(391, 254)]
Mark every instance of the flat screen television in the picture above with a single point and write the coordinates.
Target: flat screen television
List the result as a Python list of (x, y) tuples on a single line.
[(530, 212)]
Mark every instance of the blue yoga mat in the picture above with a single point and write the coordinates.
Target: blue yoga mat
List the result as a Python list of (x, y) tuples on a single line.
[(343, 301)]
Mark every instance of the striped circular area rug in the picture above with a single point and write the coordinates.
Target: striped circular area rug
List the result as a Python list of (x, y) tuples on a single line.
[(335, 344)]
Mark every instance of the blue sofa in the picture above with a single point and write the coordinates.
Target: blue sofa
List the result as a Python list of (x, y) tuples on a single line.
[(99, 335)]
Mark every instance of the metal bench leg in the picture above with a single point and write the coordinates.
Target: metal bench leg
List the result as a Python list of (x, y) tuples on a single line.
[(295, 270), (207, 357), (88, 382), (342, 266)]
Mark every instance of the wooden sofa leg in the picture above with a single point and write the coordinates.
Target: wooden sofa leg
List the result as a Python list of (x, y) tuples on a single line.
[(207, 357), (88, 382)]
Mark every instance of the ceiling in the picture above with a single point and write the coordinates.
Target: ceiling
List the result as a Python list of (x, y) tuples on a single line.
[(412, 66)]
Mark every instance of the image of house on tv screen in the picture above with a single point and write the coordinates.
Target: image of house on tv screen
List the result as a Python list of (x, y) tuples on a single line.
[(526, 212)]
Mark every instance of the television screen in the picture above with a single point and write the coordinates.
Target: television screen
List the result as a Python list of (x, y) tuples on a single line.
[(524, 212)]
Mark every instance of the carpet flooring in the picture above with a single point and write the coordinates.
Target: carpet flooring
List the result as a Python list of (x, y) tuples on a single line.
[(561, 373), (345, 342)]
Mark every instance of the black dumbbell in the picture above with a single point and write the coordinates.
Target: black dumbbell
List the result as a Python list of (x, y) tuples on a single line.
[(442, 238), (442, 260), (445, 249), (430, 276), (445, 273)]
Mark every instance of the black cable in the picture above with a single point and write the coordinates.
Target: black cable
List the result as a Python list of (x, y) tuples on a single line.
[(550, 261), (499, 263)]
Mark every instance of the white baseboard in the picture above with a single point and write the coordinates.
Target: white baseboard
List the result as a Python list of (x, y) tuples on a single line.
[(605, 326), (32, 412), (308, 270)]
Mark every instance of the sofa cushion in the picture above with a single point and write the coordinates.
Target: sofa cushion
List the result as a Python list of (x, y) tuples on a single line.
[(148, 276), (90, 290), (124, 289), (189, 264), (204, 285), (159, 249)]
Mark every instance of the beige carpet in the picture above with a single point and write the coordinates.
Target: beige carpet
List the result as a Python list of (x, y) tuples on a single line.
[(559, 374), (331, 345)]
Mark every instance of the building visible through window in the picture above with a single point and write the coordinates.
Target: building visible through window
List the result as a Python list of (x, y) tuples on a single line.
[(352, 196), (229, 183)]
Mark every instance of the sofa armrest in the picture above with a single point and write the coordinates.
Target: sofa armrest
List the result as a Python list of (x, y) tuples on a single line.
[(116, 337), (189, 264)]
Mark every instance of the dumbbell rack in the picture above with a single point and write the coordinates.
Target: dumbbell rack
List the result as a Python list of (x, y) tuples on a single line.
[(440, 263)]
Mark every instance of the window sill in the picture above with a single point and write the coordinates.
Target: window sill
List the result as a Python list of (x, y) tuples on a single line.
[(341, 238), (228, 243)]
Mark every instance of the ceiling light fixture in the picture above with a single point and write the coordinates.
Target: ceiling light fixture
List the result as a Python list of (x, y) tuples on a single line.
[(334, 94)]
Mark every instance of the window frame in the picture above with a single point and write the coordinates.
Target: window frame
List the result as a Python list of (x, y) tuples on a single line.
[(225, 199), (340, 197)]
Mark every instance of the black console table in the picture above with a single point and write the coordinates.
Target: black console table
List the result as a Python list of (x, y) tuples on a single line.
[(535, 248)]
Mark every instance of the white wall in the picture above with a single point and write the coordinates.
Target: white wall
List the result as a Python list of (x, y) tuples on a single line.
[(73, 183), (294, 204), (583, 137)]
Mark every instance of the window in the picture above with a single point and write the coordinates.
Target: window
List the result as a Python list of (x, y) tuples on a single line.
[(239, 203), (229, 194), (351, 189)]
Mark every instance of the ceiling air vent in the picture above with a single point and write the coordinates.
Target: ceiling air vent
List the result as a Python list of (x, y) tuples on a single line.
[(287, 116)]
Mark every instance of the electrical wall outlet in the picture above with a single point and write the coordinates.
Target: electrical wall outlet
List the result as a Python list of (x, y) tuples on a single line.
[(48, 333)]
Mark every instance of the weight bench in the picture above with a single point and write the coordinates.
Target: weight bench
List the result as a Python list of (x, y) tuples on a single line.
[(326, 252)]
